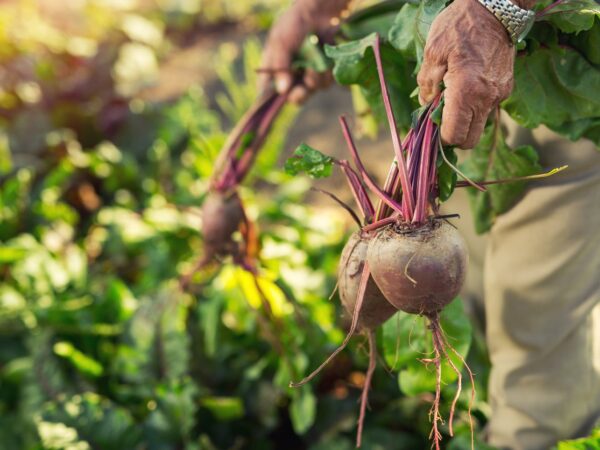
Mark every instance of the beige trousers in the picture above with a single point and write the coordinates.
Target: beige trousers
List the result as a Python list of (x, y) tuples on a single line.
[(538, 273)]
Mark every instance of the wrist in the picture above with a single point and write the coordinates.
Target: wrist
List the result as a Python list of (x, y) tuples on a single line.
[(515, 20), (485, 19)]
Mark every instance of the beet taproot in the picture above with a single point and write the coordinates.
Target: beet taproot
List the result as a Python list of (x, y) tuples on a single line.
[(222, 214), (375, 309), (419, 270)]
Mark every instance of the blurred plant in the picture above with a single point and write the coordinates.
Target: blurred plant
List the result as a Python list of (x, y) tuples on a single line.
[(99, 218)]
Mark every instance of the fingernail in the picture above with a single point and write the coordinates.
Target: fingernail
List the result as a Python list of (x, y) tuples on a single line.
[(282, 84)]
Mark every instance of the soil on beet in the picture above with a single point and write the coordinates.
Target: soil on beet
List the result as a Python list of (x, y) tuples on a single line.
[(375, 309), (419, 270), (222, 215)]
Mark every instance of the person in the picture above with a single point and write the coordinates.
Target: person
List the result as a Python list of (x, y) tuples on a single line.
[(541, 268)]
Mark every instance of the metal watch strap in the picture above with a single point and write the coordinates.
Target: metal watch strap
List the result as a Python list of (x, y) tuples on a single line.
[(516, 20)]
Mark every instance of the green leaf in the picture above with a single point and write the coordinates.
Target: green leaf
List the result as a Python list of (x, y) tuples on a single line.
[(173, 414), (9, 254), (354, 64), (210, 311), (573, 16), (303, 410), (591, 442), (312, 56), (411, 27), (374, 18), (81, 361), (224, 408), (587, 128), (589, 43), (553, 87), (407, 340), (309, 160), (493, 159), (447, 177), (97, 420)]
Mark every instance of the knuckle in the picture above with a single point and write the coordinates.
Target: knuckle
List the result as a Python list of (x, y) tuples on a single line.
[(423, 77), (453, 135)]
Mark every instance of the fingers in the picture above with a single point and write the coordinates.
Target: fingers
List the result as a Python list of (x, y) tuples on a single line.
[(276, 63), (468, 101), (285, 38), (430, 79), (317, 80), (311, 81), (475, 130), (456, 117), (298, 94)]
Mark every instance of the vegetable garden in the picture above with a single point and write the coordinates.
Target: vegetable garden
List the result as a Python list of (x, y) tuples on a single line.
[(166, 282)]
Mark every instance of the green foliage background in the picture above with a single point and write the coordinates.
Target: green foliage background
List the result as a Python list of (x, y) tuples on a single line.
[(99, 219)]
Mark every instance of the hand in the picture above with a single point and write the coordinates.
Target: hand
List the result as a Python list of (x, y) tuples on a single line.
[(470, 50), (285, 39)]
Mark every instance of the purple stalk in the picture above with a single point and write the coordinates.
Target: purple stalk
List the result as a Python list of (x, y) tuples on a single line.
[(404, 181), (225, 172), (423, 186), (361, 169), (389, 188), (433, 173), (362, 287), (380, 223), (264, 126), (358, 191)]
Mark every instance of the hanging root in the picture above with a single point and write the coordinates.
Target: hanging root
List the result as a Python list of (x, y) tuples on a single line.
[(472, 380), (434, 412), (359, 301), (440, 348), (364, 398)]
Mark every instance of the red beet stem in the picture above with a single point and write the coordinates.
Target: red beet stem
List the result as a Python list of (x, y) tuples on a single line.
[(364, 280), (405, 182), (264, 126), (364, 398), (358, 191), (361, 169)]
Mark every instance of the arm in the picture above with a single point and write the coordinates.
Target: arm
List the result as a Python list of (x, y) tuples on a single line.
[(470, 51), (304, 17)]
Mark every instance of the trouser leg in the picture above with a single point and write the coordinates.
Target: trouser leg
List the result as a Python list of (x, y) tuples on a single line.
[(542, 293)]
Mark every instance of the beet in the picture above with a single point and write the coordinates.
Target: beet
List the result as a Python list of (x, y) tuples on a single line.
[(375, 308), (419, 270), (222, 214)]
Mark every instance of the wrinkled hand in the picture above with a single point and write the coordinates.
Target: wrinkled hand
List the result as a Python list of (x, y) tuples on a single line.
[(469, 49), (285, 39)]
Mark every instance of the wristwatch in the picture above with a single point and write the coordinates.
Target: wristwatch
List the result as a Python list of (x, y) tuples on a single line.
[(517, 21)]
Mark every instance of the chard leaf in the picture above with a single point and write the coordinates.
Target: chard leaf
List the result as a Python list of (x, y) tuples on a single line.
[(588, 42), (309, 160), (573, 16), (303, 410), (587, 128), (354, 64), (411, 27), (554, 86), (493, 159), (446, 175)]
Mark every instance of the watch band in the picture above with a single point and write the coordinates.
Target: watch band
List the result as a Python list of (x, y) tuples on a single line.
[(517, 21)]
